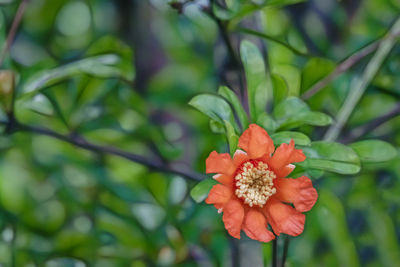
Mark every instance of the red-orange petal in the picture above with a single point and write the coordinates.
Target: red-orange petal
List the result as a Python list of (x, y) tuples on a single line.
[(233, 217), (286, 154), (255, 226), (219, 195), (256, 142), (283, 218), (239, 157), (224, 179), (219, 163), (298, 191), (284, 171)]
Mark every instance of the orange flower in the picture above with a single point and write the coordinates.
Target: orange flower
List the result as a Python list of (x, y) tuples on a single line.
[(252, 190)]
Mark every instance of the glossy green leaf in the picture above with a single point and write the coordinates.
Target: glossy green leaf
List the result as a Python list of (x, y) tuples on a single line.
[(374, 150), (280, 88), (267, 122), (292, 77), (330, 156), (98, 66), (314, 70), (289, 108), (259, 89), (200, 191), (217, 127), (293, 112), (234, 100), (40, 104), (232, 137), (285, 137), (214, 107), (110, 44)]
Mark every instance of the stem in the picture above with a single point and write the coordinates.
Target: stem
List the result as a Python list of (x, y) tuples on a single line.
[(373, 124), (273, 39), (14, 27), (285, 251), (275, 252), (361, 84), (224, 34), (82, 143), (344, 66)]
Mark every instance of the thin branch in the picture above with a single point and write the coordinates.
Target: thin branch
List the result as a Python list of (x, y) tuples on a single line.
[(275, 252), (224, 33), (273, 39), (14, 27), (361, 83), (82, 143), (345, 65), (373, 124), (285, 251)]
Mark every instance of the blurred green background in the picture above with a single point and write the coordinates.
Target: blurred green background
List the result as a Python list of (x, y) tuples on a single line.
[(121, 73)]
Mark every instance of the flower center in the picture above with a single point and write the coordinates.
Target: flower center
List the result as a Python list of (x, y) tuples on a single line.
[(254, 183)]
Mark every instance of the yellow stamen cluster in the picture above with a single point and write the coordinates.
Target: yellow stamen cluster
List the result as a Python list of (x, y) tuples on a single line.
[(254, 183)]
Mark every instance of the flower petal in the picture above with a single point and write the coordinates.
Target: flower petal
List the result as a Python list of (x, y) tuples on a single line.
[(239, 157), (298, 191), (285, 154), (283, 218), (224, 179), (219, 163), (284, 171), (233, 217), (219, 195), (255, 226), (256, 142)]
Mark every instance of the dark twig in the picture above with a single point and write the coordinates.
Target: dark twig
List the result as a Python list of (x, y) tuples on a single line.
[(342, 67), (14, 27), (373, 124), (275, 252), (224, 34), (273, 39), (79, 141), (285, 251), (345, 65)]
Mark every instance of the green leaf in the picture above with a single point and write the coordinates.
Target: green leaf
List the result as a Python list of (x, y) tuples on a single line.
[(332, 157), (40, 104), (384, 232), (200, 191), (234, 100), (289, 108), (293, 112), (259, 88), (292, 77), (232, 137), (111, 44), (332, 219), (267, 122), (214, 107), (315, 70), (98, 66), (280, 88), (314, 118), (217, 127), (285, 137), (374, 151), (232, 8)]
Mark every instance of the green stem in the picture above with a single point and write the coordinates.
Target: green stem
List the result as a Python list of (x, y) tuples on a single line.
[(359, 85)]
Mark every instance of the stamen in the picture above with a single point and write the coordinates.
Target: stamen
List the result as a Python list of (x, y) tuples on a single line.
[(254, 183)]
